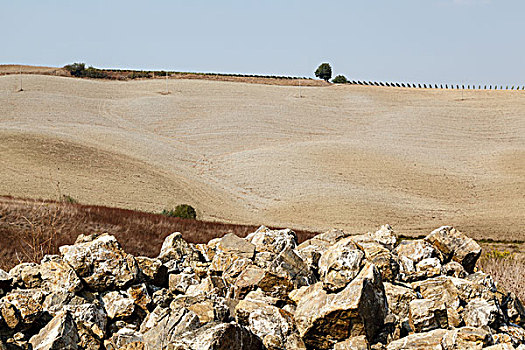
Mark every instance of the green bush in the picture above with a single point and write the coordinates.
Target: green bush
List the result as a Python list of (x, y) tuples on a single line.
[(184, 211), (94, 73), (76, 69), (340, 79)]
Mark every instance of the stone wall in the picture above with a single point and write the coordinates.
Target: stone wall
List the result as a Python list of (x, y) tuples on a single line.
[(334, 291)]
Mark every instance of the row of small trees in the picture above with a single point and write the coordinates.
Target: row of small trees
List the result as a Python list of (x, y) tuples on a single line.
[(324, 71)]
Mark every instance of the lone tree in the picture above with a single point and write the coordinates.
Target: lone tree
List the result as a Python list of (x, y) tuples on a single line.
[(340, 79), (324, 71)]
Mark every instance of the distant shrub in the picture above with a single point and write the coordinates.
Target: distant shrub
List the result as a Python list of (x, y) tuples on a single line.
[(137, 75), (340, 79), (76, 69), (68, 199), (95, 73), (183, 211)]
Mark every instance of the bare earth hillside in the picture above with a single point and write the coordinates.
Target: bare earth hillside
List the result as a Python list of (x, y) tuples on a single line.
[(339, 156)]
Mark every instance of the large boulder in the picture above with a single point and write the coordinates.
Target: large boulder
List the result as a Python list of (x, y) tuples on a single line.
[(21, 309), (256, 277), (177, 254), (454, 245), (273, 241), (100, 262), (340, 264), (274, 326), (57, 275), (118, 304), (323, 319), (218, 336), (164, 325), (426, 315), (59, 334), (26, 275), (467, 338), (153, 271)]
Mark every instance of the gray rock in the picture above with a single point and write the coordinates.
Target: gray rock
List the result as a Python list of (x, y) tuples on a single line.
[(59, 334), (340, 264), (455, 246), (100, 262), (218, 336), (324, 319), (164, 325)]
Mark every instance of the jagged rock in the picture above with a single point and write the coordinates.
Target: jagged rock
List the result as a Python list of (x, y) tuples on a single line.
[(100, 262), (426, 315), (232, 244), (359, 309), (54, 302), (217, 336), (516, 333), (59, 334), (273, 325), (273, 241), (153, 271), (21, 308), (162, 326), (255, 277), (453, 269), (430, 267), (141, 298), (353, 343), (439, 289), (514, 308), (162, 297), (26, 275), (118, 304), (91, 321), (385, 237), (382, 258), (467, 338), (181, 282), (455, 246), (480, 312), (399, 298), (420, 341), (207, 307), (288, 265), (340, 264), (415, 250), (413, 263), (57, 275), (122, 338), (177, 254), (210, 285)]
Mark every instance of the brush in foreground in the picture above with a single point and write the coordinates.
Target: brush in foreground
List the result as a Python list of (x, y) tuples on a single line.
[(264, 291)]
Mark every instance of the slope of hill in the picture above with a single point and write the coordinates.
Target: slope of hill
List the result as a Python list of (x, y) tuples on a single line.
[(316, 157)]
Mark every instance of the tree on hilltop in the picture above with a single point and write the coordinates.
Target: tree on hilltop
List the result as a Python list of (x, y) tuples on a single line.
[(324, 71)]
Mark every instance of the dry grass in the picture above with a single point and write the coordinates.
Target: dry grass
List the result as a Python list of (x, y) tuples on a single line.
[(507, 269), (345, 156), (29, 229)]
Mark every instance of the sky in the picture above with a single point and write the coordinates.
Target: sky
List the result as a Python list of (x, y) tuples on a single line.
[(433, 41)]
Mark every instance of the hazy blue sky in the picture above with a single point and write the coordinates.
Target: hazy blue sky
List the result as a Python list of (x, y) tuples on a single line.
[(470, 41)]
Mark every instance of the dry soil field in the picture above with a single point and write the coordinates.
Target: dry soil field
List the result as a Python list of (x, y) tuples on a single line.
[(351, 157)]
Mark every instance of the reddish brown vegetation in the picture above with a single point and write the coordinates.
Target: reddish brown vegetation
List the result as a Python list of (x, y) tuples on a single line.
[(30, 229)]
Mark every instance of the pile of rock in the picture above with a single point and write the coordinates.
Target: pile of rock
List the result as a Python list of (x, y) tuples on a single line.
[(334, 291)]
